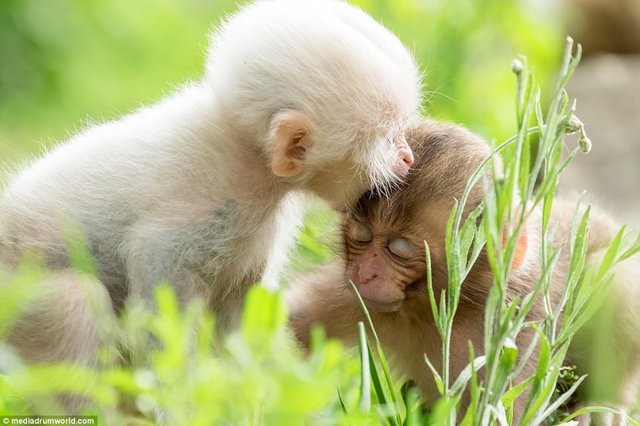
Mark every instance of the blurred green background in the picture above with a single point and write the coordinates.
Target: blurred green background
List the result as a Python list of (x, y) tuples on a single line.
[(67, 63)]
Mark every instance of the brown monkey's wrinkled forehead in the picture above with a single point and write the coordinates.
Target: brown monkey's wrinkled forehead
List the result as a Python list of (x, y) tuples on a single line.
[(446, 156)]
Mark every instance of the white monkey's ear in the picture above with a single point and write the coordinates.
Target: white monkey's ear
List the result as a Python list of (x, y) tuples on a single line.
[(290, 141)]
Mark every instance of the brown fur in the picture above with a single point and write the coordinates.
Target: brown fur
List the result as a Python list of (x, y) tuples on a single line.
[(445, 158)]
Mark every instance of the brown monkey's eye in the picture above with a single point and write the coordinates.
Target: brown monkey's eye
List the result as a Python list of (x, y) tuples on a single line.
[(360, 233), (402, 248)]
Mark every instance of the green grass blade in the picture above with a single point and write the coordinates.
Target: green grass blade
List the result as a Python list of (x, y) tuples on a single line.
[(365, 372)]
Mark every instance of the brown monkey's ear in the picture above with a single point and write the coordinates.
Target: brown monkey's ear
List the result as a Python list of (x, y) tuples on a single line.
[(520, 251), (290, 141)]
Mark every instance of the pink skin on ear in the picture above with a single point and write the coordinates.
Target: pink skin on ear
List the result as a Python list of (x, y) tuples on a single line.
[(372, 276), (520, 251), (405, 156), (290, 140)]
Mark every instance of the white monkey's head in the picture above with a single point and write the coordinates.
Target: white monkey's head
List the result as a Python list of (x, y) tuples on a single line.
[(323, 88)]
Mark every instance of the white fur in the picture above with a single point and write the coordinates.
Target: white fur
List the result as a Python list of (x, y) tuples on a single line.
[(281, 244), (182, 190), (300, 49)]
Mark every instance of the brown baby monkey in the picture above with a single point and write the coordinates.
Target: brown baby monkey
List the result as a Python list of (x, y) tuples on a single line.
[(385, 259)]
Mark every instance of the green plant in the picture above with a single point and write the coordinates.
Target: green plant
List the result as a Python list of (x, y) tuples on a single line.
[(532, 162)]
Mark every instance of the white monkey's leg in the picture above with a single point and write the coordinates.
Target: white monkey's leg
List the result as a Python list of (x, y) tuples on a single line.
[(204, 260), (66, 322)]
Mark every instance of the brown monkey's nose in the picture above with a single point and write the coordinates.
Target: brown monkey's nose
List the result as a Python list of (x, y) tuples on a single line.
[(367, 271), (366, 277)]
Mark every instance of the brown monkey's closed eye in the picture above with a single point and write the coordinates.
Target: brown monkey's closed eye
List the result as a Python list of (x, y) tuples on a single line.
[(402, 248), (360, 233)]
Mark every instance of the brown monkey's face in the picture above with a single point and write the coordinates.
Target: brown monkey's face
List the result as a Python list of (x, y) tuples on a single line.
[(386, 263), (385, 231), (383, 265)]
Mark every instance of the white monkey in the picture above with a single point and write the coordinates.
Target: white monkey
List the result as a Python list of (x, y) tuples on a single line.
[(199, 189)]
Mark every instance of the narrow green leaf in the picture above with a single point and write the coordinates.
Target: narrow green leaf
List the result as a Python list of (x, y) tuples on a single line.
[(465, 375), (436, 376), (365, 372)]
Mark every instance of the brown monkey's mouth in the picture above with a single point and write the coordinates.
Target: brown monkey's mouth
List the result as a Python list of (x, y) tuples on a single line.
[(375, 306), (414, 286)]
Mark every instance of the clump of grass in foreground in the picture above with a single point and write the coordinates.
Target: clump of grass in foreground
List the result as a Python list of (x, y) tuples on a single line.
[(257, 376), (190, 377)]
